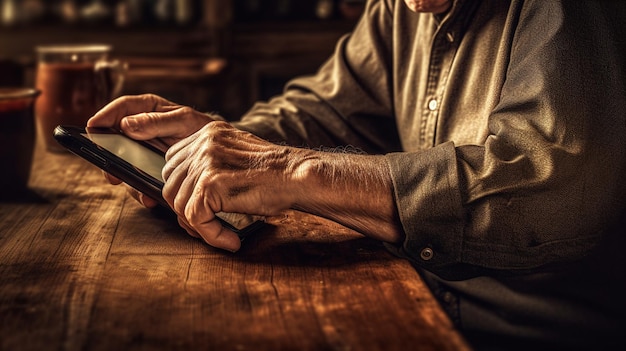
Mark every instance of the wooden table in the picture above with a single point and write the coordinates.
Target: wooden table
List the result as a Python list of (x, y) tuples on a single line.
[(85, 267)]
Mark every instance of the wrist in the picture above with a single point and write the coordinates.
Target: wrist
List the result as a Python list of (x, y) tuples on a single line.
[(354, 190), (303, 175)]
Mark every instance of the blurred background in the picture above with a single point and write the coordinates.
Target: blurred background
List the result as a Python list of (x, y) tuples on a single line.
[(215, 55)]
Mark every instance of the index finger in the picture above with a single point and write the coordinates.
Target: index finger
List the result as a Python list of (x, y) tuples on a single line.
[(111, 114)]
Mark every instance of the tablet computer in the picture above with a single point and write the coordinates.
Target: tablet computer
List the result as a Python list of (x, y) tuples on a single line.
[(138, 164)]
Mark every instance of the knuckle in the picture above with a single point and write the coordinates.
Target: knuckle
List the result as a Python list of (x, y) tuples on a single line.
[(153, 117), (151, 120), (193, 221), (124, 99), (186, 111), (179, 206), (153, 98), (168, 196), (217, 128), (209, 152), (167, 170), (220, 124)]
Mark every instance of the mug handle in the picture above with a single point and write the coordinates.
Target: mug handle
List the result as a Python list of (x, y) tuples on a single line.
[(117, 71)]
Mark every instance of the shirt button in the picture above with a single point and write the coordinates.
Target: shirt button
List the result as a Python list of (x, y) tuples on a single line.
[(427, 254), (432, 104)]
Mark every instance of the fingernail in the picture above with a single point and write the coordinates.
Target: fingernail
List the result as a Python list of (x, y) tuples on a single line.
[(132, 124)]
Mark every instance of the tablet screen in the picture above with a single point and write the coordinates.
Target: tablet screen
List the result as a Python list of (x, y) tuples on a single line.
[(132, 152)]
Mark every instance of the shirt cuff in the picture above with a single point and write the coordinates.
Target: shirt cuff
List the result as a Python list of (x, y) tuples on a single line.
[(426, 185)]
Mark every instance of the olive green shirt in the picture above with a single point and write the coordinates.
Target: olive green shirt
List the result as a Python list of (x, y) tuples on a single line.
[(503, 122)]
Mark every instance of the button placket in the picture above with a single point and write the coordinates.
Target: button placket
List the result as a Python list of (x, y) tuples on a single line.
[(442, 55)]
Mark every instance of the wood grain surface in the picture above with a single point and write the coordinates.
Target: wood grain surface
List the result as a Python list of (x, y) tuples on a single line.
[(85, 267)]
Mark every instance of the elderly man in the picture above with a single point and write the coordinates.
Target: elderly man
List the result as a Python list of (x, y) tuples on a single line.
[(491, 138)]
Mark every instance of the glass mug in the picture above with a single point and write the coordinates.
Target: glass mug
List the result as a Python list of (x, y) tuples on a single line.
[(75, 82), (17, 139)]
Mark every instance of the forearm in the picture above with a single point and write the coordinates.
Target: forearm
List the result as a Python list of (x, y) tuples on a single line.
[(351, 189)]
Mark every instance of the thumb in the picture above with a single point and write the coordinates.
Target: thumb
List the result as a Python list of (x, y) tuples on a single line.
[(215, 234), (143, 126), (177, 123)]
